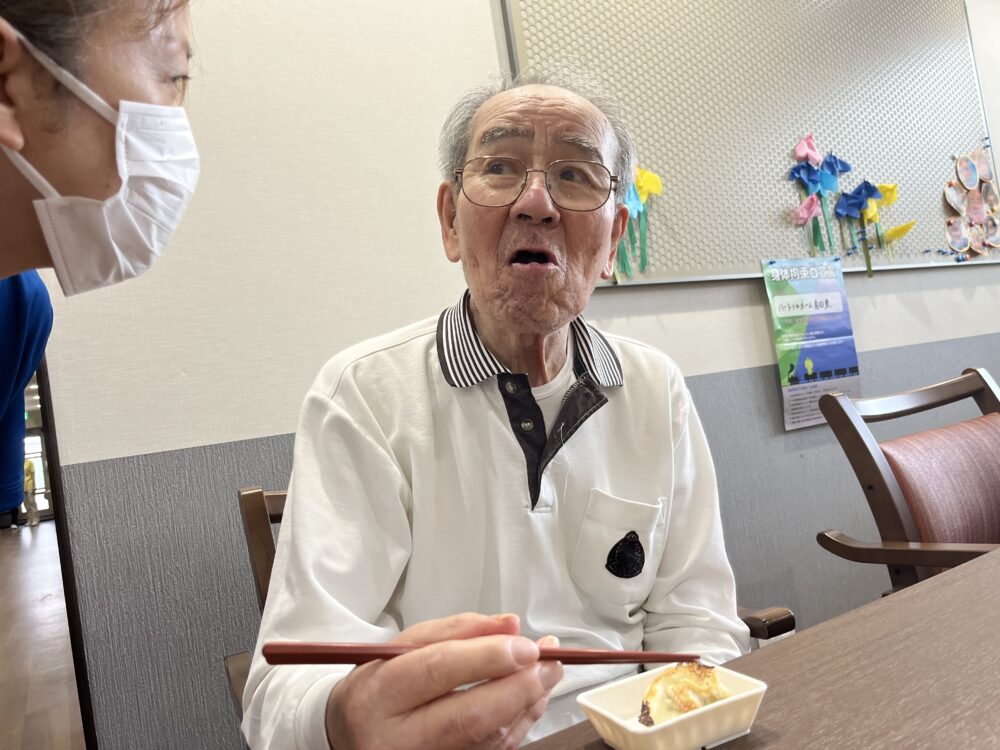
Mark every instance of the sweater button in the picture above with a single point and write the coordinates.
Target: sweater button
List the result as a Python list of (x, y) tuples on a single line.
[(510, 386), (527, 425)]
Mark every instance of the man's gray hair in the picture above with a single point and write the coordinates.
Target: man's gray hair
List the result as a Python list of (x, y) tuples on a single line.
[(456, 135)]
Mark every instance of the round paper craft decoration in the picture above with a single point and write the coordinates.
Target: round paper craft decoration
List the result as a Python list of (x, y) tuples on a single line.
[(984, 164), (955, 195), (990, 197), (968, 174), (956, 235), (977, 240), (975, 208), (992, 230)]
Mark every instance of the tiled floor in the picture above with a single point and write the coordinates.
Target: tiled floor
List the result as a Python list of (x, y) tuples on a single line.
[(38, 701)]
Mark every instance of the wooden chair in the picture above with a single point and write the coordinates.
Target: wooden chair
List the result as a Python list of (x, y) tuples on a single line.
[(260, 509), (935, 494)]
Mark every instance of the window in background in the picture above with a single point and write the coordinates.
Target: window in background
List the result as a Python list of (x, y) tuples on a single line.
[(34, 450)]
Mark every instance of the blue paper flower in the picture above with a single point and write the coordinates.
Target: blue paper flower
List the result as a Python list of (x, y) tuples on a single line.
[(833, 165), (808, 175), (853, 203), (634, 202)]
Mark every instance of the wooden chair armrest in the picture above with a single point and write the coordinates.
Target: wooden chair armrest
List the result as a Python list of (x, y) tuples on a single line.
[(924, 554), (237, 671), (767, 623)]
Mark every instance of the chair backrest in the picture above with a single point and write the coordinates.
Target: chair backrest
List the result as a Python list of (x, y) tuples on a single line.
[(259, 510), (940, 485)]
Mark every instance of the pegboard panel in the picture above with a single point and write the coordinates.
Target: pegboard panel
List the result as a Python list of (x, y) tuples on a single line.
[(719, 92)]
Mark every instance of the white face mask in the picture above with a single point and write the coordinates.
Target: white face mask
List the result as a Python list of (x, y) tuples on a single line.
[(96, 243)]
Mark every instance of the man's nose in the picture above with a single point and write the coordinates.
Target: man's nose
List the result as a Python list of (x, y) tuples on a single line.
[(535, 205)]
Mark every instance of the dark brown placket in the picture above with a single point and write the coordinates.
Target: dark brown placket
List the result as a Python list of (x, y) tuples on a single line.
[(582, 399)]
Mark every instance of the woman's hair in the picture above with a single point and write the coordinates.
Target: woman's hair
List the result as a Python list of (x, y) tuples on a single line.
[(456, 135), (59, 27)]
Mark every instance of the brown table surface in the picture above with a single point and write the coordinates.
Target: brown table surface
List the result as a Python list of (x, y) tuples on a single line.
[(917, 669)]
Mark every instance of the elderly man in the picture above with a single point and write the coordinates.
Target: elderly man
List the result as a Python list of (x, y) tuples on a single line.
[(505, 457)]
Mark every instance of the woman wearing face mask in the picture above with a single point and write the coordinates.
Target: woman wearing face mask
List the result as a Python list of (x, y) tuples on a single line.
[(97, 164)]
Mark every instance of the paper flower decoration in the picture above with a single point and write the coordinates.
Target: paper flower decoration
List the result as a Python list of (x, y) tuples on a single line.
[(808, 209), (890, 192), (835, 166), (805, 150), (633, 202), (898, 232), (851, 205), (646, 183), (859, 210), (830, 172), (854, 204), (808, 175), (817, 176)]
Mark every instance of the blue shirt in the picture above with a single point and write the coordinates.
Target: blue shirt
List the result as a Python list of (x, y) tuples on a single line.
[(25, 324)]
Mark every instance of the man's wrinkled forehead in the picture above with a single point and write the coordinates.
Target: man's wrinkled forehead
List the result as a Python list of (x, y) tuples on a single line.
[(568, 119)]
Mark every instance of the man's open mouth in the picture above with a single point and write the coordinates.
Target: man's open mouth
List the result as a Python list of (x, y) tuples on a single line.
[(524, 257)]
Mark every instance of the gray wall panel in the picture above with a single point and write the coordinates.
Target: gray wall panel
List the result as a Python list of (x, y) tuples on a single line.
[(777, 489), (165, 587)]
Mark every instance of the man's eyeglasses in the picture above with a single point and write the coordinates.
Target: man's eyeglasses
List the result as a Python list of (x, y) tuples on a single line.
[(494, 181)]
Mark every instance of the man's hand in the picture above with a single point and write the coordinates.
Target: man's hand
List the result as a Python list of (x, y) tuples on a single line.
[(411, 701)]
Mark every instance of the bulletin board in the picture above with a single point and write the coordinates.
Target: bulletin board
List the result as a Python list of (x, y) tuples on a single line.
[(718, 92)]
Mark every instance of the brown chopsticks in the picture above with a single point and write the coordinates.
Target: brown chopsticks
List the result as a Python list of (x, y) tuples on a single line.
[(362, 653)]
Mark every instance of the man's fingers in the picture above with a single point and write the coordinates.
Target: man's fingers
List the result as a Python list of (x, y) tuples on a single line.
[(548, 641), (427, 673), (490, 714), (466, 625), (526, 720)]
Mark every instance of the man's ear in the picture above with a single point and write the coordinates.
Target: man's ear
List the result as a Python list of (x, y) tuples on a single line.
[(617, 230), (446, 209), (13, 70)]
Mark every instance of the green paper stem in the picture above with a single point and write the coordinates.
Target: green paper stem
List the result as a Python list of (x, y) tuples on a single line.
[(855, 245), (624, 264), (643, 255), (864, 247), (631, 235), (818, 235), (878, 235), (812, 241), (826, 220)]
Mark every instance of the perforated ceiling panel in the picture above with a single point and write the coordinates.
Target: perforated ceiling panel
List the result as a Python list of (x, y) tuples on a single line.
[(719, 91)]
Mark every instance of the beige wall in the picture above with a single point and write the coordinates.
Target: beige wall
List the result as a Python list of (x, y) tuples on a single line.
[(314, 227)]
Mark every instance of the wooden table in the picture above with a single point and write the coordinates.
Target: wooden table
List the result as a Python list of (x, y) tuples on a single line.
[(918, 669)]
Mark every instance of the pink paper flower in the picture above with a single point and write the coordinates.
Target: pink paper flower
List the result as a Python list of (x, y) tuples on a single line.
[(806, 149), (809, 208)]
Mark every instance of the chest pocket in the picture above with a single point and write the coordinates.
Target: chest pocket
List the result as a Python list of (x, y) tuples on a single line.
[(618, 550)]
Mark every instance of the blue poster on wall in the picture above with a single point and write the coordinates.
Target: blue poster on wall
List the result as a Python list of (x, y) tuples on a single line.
[(813, 337)]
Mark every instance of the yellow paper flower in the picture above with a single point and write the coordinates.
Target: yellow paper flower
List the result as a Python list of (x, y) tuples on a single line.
[(900, 231), (870, 211), (647, 183), (889, 194)]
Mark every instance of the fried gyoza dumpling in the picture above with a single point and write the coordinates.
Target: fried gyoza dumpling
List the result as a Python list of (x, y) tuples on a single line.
[(678, 690)]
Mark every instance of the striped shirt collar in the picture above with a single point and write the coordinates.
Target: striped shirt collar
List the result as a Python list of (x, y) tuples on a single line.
[(465, 360)]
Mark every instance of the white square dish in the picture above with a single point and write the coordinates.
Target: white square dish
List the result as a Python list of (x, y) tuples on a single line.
[(614, 708)]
